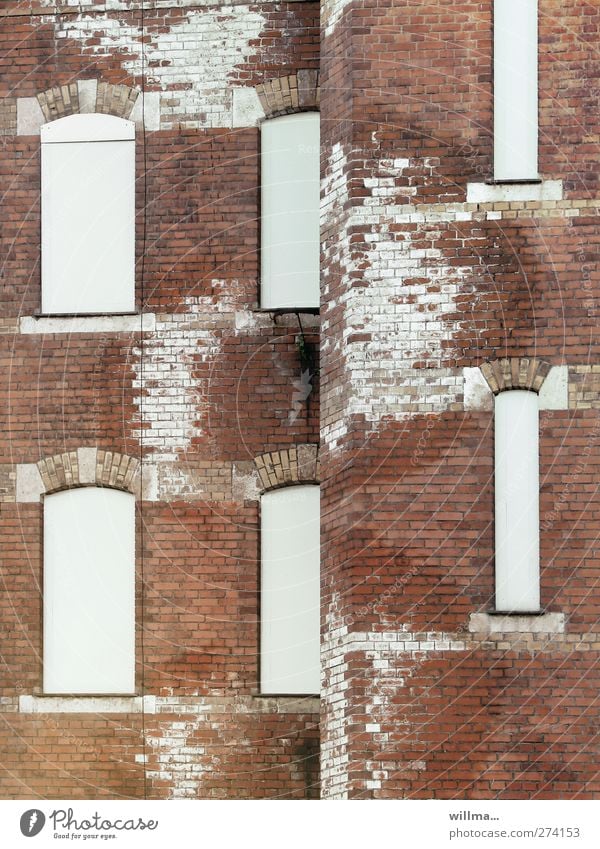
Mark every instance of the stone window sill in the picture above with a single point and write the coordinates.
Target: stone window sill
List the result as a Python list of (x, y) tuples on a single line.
[(501, 192), (517, 623), (126, 323), (87, 704)]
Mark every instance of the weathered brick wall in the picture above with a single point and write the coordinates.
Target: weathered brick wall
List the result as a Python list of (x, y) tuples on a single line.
[(424, 278), (210, 385), (61, 755), (421, 282)]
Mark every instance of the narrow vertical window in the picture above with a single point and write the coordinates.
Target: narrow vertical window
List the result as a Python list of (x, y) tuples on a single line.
[(89, 612), (517, 483), (88, 215), (290, 212), (515, 90), (290, 545)]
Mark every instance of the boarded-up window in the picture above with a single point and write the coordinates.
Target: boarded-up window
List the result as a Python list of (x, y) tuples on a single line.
[(290, 591), (517, 485), (515, 90), (88, 215), (290, 212), (89, 578)]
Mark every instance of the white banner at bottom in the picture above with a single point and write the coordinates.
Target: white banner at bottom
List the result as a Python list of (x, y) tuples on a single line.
[(277, 824)]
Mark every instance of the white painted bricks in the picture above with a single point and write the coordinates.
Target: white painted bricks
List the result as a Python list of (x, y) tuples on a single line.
[(193, 94), (405, 312)]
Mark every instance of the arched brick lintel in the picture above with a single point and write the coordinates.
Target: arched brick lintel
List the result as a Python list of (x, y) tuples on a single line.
[(299, 464), (515, 373), (89, 467), (60, 101), (299, 92)]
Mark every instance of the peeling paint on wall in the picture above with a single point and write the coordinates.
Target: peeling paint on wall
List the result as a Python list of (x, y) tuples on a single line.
[(173, 402), (399, 298), (334, 686), (387, 669), (192, 61), (332, 14), (196, 740), (179, 759)]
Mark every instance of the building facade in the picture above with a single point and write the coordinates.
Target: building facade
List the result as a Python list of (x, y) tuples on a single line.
[(168, 420)]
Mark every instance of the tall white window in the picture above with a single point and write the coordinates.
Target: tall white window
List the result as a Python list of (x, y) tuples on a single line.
[(290, 239), (89, 579), (515, 90), (517, 486), (88, 215), (290, 543)]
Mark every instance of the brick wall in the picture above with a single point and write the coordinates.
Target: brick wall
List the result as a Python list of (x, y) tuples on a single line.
[(425, 277), (209, 386)]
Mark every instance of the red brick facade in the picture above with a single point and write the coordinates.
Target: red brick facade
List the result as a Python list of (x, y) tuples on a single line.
[(211, 387), (421, 285)]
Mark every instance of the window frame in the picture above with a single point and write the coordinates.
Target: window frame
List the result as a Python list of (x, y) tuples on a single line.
[(515, 124), (517, 503), (269, 691), (81, 129), (47, 691), (280, 307)]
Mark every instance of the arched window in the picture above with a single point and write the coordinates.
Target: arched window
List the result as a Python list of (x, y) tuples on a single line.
[(290, 240), (517, 484), (290, 554), (88, 215), (89, 591)]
